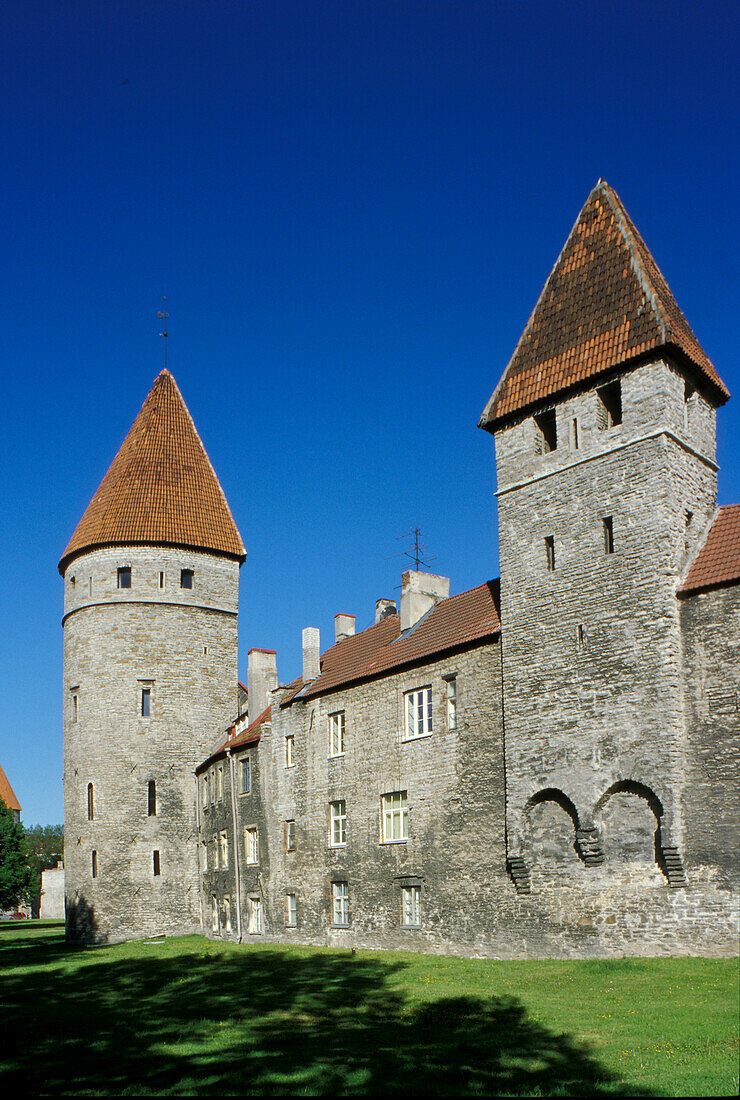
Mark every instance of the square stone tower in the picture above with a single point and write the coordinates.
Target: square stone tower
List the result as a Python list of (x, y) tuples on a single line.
[(150, 675), (604, 425)]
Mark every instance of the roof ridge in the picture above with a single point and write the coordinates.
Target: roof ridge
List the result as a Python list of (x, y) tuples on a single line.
[(624, 221)]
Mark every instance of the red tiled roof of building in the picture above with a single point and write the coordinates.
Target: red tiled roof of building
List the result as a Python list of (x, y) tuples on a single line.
[(7, 793), (250, 736), (160, 488), (604, 304), (718, 561), (457, 621)]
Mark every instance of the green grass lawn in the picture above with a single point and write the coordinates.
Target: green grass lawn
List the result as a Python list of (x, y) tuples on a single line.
[(190, 1016)]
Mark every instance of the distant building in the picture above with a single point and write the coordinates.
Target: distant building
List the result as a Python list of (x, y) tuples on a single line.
[(543, 765), (7, 794), (52, 892)]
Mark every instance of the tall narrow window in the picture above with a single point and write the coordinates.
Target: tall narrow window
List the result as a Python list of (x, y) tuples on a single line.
[(548, 431), (254, 916), (219, 783), (151, 807), (94, 863), (186, 578), (204, 791), (214, 914), (688, 395), (75, 707), (336, 733), (451, 703), (124, 577), (146, 702), (246, 775), (608, 526), (580, 636), (550, 552), (411, 906), (338, 823), (418, 709), (609, 412), (204, 851), (227, 914), (395, 817), (223, 848), (90, 803), (252, 844), (291, 910), (575, 442), (290, 836), (156, 868), (340, 903), (161, 580), (289, 747)]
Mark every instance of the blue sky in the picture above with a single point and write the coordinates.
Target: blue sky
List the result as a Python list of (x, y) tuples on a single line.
[(351, 207)]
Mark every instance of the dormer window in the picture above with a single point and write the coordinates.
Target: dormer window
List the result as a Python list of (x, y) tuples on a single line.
[(547, 438), (186, 578), (610, 405), (124, 576)]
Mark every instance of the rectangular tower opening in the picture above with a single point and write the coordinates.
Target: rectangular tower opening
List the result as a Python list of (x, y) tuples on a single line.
[(124, 577), (610, 410), (548, 439), (608, 525), (550, 552)]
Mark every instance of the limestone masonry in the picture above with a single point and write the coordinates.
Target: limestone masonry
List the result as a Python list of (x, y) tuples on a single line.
[(544, 765)]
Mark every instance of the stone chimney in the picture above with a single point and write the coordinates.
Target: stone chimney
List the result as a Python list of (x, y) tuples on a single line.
[(261, 680), (344, 626), (384, 608), (419, 592), (311, 652)]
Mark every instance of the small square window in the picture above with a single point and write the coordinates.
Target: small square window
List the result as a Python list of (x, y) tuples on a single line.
[(609, 412), (418, 712), (395, 817), (186, 578), (550, 552), (291, 911), (548, 432), (337, 823), (451, 702), (336, 733), (252, 844), (608, 528), (289, 747), (290, 836), (146, 702), (340, 903), (411, 906), (124, 577), (245, 772), (156, 867)]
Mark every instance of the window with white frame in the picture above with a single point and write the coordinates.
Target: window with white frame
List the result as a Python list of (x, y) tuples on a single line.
[(395, 816), (246, 775), (254, 916), (146, 702), (336, 733), (418, 708), (223, 848), (227, 915), (252, 844), (204, 790), (212, 786), (411, 906), (337, 823), (290, 836), (451, 685), (214, 914), (291, 910), (219, 783), (340, 903), (204, 850), (289, 747)]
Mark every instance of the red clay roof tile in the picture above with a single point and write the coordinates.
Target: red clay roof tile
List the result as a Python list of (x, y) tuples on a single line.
[(7, 793), (160, 487), (718, 561), (604, 304)]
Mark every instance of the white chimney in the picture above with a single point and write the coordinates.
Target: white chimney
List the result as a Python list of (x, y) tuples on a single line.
[(344, 626), (261, 680), (311, 647), (384, 608), (419, 592)]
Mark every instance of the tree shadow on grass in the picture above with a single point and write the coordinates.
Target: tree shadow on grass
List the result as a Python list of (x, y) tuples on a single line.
[(193, 1019)]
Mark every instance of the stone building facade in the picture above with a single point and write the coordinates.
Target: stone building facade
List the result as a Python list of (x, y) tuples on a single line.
[(542, 765)]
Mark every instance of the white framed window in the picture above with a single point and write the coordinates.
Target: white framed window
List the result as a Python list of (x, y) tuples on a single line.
[(451, 692), (411, 906), (340, 903), (223, 848), (291, 911), (337, 823), (146, 702), (395, 814), (254, 916), (227, 915), (290, 836), (214, 914), (212, 786), (245, 772), (252, 844), (336, 733), (418, 711), (289, 747), (219, 783), (204, 850), (204, 791)]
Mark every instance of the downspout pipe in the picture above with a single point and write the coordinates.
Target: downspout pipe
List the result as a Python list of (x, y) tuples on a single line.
[(237, 863), (199, 843)]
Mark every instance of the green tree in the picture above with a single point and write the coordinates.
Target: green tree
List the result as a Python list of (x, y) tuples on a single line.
[(45, 846), (15, 872)]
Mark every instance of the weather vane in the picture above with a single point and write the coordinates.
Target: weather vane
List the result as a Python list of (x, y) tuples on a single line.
[(162, 314)]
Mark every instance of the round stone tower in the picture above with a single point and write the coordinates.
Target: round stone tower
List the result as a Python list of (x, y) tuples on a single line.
[(150, 675)]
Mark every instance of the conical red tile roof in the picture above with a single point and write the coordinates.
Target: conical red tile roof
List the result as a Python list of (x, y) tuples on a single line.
[(604, 303), (161, 488)]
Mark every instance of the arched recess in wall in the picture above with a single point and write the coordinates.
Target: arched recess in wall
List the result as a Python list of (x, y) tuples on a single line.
[(628, 818), (551, 821)]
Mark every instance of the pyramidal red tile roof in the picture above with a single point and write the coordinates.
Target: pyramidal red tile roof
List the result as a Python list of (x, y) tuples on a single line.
[(7, 793), (718, 561), (605, 303), (467, 617), (160, 487)]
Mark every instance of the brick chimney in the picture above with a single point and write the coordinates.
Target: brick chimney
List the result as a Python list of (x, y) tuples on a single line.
[(419, 592), (344, 626), (262, 678), (311, 653), (384, 608)]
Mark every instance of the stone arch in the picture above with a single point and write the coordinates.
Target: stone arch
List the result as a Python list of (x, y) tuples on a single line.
[(630, 818), (550, 826)]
